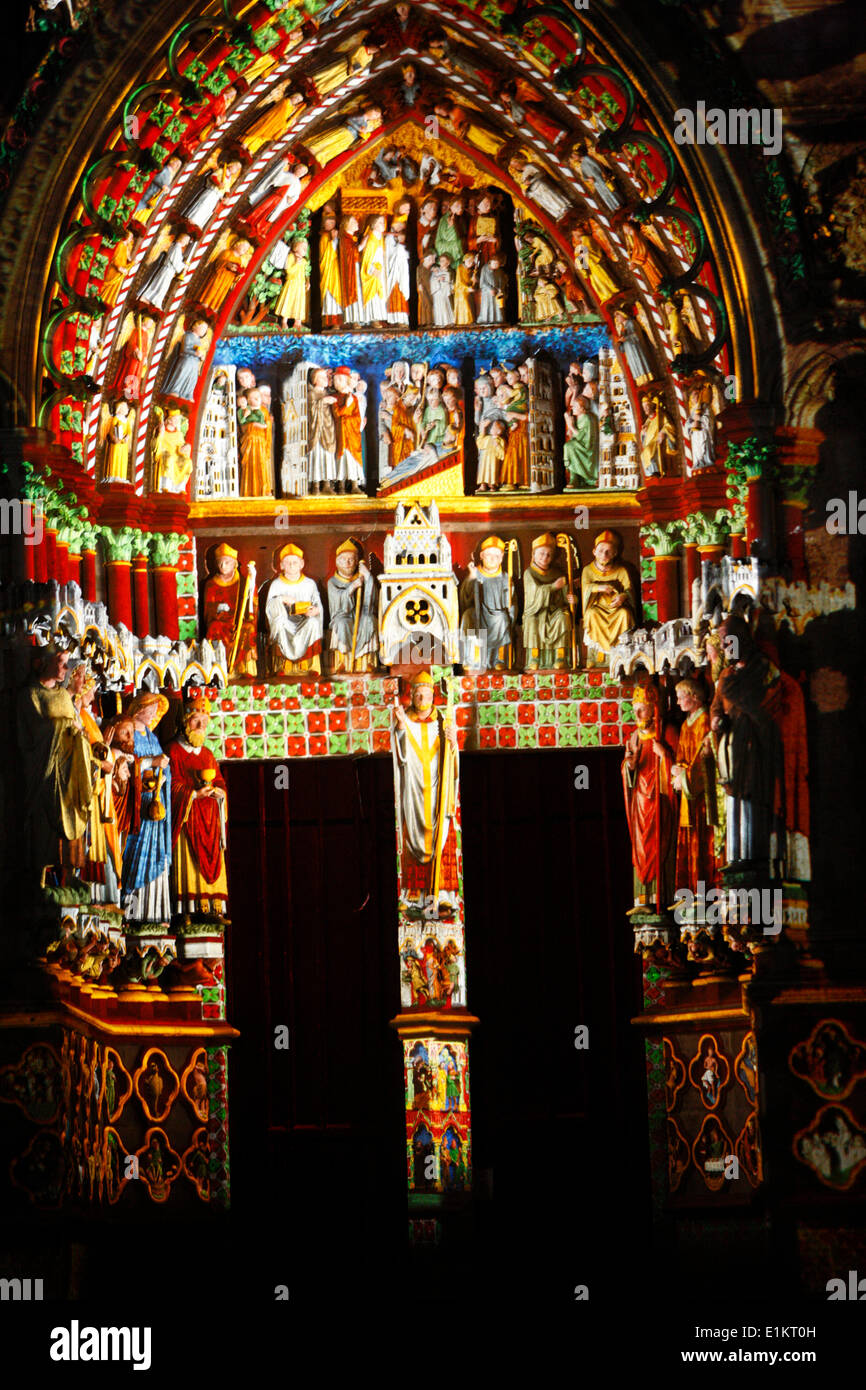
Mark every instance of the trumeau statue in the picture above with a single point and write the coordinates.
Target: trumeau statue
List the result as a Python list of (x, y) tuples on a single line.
[(426, 770)]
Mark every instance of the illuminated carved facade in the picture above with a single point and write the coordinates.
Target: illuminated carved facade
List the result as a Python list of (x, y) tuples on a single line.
[(345, 300)]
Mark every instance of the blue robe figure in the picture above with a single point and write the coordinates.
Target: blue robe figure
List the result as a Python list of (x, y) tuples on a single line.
[(147, 854), (183, 377)]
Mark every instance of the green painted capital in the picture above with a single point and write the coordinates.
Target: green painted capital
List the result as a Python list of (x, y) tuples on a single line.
[(662, 540), (165, 547)]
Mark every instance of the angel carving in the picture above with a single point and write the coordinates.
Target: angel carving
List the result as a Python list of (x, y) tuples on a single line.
[(116, 431)]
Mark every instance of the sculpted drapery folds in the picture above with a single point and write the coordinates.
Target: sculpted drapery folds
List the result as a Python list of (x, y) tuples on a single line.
[(294, 616), (56, 770), (145, 895), (608, 599), (425, 770), (228, 619), (650, 803), (352, 603), (694, 778), (489, 604), (547, 609), (749, 752), (198, 813)]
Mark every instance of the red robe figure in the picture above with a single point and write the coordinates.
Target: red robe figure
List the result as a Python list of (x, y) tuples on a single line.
[(650, 804), (223, 595), (198, 819), (694, 777)]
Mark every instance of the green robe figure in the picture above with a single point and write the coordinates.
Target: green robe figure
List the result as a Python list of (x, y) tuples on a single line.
[(547, 604), (580, 454), (448, 239)]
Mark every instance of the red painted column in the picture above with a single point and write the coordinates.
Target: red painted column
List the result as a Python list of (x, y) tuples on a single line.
[(88, 576), (667, 587), (760, 530), (140, 591), (73, 569), (40, 560), (50, 544), (795, 537), (165, 588), (29, 562), (119, 576), (61, 562), (711, 552), (693, 563), (738, 545)]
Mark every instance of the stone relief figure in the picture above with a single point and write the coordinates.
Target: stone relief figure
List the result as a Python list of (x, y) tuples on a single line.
[(350, 409), (230, 610), (693, 775), (198, 814), (650, 803), (750, 756), (145, 886), (658, 438), (164, 270), (225, 273), (256, 428), (353, 605), (701, 431), (608, 599), (426, 771), (580, 454), (214, 187), (488, 602), (57, 782), (423, 425), (182, 378), (322, 432), (116, 432), (548, 609), (171, 455), (294, 617)]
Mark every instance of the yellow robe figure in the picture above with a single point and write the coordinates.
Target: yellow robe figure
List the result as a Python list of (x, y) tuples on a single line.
[(273, 123), (226, 270), (373, 278), (292, 303), (117, 268), (603, 286), (255, 458), (117, 448), (602, 624), (328, 144), (103, 835), (464, 302), (329, 276)]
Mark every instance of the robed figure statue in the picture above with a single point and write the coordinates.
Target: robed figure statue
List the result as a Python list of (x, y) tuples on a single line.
[(425, 773)]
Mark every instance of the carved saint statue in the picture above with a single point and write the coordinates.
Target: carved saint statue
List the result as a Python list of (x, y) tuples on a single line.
[(694, 778), (185, 370), (230, 611), (352, 603), (294, 616), (117, 429), (580, 454), (608, 599), (548, 605), (489, 604), (426, 769), (198, 814), (57, 785), (147, 851), (650, 804)]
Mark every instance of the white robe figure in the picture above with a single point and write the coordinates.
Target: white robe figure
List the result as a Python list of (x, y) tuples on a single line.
[(294, 633), (442, 287), (422, 756), (396, 276), (701, 430), (288, 182), (540, 189), (157, 285)]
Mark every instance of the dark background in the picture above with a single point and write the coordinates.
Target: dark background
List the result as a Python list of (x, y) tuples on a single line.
[(318, 1133)]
